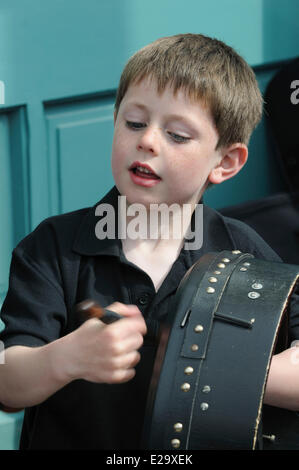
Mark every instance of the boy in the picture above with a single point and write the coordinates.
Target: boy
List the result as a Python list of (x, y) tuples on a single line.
[(185, 109)]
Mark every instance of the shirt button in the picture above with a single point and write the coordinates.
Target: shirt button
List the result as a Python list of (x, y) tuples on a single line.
[(143, 299)]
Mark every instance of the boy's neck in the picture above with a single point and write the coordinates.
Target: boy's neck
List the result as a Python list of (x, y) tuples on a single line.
[(159, 240)]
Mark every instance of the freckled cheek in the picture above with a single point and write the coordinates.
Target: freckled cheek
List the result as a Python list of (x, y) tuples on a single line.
[(118, 156), (186, 172), (187, 179)]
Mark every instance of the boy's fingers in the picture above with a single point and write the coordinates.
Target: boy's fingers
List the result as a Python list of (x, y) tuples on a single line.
[(126, 344), (91, 309), (112, 314), (121, 376), (126, 361), (131, 312), (132, 326), (125, 310)]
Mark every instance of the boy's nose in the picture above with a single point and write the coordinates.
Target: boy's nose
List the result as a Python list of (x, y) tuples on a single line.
[(149, 141)]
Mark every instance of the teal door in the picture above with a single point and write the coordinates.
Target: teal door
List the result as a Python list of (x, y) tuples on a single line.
[(60, 63)]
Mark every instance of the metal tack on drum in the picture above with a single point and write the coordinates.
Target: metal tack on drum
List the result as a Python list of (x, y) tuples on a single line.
[(178, 427), (210, 290), (204, 406), (176, 443), (185, 387), (198, 328)]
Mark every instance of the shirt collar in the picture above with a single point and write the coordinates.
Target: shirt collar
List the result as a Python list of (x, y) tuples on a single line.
[(86, 241)]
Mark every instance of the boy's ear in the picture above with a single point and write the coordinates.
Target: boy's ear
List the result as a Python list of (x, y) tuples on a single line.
[(233, 159)]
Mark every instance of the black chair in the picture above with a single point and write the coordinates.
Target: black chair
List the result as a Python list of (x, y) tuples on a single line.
[(276, 217)]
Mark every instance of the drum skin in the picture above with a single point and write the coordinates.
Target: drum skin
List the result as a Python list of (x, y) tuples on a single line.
[(214, 355)]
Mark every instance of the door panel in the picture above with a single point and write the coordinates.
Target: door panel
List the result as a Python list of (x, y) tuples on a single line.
[(14, 184), (79, 137)]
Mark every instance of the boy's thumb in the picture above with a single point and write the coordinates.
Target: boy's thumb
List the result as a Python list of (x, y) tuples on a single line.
[(124, 310)]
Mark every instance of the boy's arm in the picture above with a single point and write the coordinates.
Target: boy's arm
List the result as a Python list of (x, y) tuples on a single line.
[(29, 375), (282, 389), (95, 352)]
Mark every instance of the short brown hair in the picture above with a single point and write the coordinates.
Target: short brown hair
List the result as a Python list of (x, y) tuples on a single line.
[(209, 71)]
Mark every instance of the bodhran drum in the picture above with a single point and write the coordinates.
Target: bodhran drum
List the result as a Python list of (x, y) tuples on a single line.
[(228, 317)]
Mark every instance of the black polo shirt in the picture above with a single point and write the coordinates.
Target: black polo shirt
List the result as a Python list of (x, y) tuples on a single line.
[(62, 262)]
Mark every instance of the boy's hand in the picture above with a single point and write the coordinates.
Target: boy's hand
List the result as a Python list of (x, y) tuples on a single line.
[(106, 353)]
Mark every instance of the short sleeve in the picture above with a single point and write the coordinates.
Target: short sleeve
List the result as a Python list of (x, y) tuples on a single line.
[(33, 311)]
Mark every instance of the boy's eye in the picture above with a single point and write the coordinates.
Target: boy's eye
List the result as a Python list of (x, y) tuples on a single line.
[(135, 125), (178, 138)]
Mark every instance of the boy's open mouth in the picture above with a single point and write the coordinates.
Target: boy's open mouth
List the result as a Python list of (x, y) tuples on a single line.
[(143, 171)]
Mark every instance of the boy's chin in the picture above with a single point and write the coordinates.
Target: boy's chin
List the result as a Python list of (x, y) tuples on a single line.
[(148, 198), (137, 200)]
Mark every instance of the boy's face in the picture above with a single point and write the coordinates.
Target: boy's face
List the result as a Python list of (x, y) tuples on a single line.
[(174, 137)]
